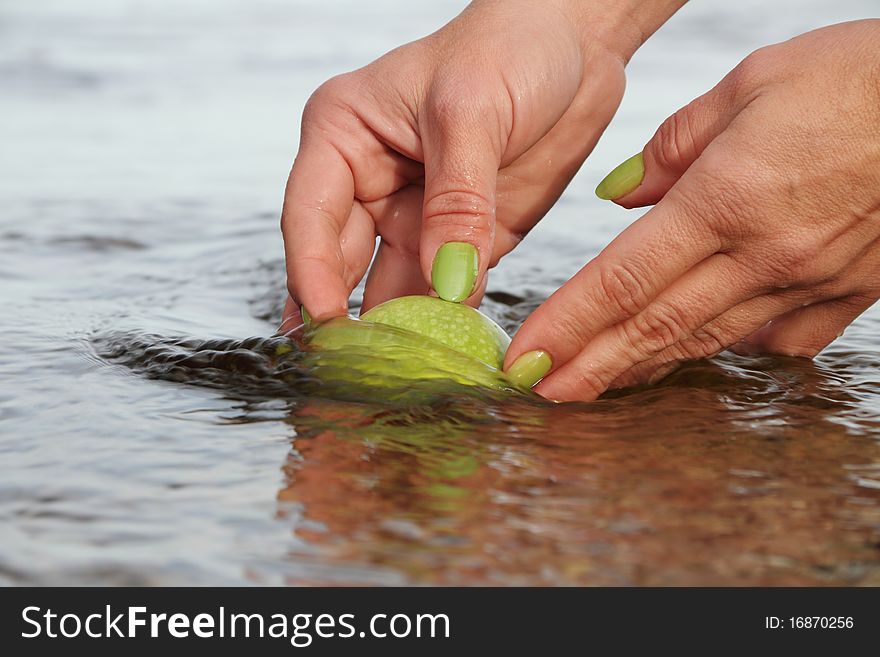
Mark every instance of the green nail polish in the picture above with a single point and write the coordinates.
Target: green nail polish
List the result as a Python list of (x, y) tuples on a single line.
[(623, 179), (307, 319), (529, 368), (454, 271)]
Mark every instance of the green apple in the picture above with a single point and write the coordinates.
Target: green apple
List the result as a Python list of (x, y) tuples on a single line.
[(457, 326), (411, 338)]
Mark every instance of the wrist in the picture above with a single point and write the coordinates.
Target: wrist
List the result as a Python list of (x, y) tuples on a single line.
[(620, 26)]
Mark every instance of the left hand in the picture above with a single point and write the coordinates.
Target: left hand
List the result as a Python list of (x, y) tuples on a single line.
[(766, 232)]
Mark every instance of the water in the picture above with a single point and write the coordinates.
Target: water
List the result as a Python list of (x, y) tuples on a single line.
[(144, 438)]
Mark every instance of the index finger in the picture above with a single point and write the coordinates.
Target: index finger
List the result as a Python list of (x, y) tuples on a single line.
[(620, 282), (317, 203)]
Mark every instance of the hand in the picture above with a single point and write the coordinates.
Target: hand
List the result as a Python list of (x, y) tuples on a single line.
[(766, 228), (467, 136)]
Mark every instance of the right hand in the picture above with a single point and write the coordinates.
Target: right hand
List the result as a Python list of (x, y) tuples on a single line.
[(765, 235), (467, 135)]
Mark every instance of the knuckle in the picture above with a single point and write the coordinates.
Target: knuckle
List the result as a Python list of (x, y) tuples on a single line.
[(332, 88), (570, 330), (316, 213), (329, 97), (657, 328), (453, 96), (461, 104), (705, 342), (788, 263), (808, 270), (776, 273), (623, 288), (461, 208), (755, 69), (720, 204), (674, 145)]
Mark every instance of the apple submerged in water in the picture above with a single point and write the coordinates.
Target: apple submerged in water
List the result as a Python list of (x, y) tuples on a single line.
[(459, 327), (411, 338)]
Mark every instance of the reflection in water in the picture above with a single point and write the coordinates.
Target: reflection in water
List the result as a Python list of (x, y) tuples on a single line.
[(149, 158), (733, 471)]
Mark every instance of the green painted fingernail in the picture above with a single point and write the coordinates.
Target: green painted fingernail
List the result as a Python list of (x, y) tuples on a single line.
[(454, 271), (623, 179), (307, 319), (529, 368)]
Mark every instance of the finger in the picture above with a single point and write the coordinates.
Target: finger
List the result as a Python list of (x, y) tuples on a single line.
[(806, 331), (462, 157), (622, 281), (317, 203), (705, 292), (679, 141), (396, 270), (357, 242), (327, 236), (714, 337), (339, 113), (648, 373), (395, 273), (291, 317)]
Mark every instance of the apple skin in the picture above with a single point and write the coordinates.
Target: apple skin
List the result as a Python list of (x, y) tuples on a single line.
[(351, 355), (459, 327), (407, 340)]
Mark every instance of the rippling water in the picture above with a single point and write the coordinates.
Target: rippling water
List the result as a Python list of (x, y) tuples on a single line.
[(145, 439)]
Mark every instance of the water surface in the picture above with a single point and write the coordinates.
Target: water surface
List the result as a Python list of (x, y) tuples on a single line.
[(150, 433)]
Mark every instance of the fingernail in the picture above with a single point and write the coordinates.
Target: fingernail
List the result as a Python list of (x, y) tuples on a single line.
[(623, 179), (307, 319), (454, 271), (529, 368)]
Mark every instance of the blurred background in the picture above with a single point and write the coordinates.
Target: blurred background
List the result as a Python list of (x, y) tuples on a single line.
[(144, 147)]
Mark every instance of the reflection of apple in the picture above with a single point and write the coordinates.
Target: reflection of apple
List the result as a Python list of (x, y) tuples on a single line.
[(457, 326), (411, 338)]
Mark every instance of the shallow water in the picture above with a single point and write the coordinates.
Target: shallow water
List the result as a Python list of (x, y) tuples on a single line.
[(145, 439)]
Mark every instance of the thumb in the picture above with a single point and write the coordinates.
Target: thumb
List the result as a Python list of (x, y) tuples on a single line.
[(646, 177), (462, 153)]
